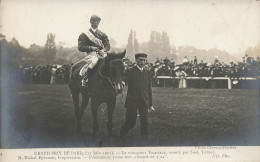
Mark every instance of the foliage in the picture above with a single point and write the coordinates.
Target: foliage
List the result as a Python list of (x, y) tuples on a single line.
[(132, 46), (50, 47), (13, 54), (253, 51), (157, 47)]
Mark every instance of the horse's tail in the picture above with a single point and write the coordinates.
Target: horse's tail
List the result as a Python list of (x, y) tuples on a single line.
[(73, 67), (71, 71), (71, 74)]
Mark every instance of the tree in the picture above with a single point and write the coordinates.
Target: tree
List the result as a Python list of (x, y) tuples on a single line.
[(158, 46), (151, 46), (165, 45), (173, 52), (35, 50), (136, 45), (253, 51), (130, 44), (50, 47), (155, 45), (14, 53)]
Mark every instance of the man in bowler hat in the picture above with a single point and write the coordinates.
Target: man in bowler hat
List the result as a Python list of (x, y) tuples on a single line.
[(139, 97)]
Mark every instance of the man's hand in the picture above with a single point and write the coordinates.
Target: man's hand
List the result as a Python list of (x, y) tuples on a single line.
[(151, 109), (94, 48), (102, 53)]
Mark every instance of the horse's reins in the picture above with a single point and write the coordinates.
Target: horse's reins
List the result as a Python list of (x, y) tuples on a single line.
[(113, 84)]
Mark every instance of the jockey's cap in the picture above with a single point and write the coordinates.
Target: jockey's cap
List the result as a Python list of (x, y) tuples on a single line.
[(95, 17)]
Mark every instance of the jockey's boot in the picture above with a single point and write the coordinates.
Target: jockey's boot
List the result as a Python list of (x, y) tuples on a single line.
[(85, 79)]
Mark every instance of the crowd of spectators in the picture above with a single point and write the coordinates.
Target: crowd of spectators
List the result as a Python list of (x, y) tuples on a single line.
[(248, 67), (49, 74)]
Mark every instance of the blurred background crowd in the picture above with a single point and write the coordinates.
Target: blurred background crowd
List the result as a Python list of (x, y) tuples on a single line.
[(54, 74), (238, 72), (249, 67), (50, 64)]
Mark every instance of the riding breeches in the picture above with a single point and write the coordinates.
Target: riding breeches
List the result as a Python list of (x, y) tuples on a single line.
[(91, 61)]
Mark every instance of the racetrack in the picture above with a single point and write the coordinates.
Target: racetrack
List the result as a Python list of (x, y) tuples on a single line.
[(43, 116)]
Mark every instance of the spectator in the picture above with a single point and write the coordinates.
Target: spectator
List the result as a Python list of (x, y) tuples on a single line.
[(182, 75)]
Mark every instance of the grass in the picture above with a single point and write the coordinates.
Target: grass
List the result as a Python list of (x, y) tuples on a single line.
[(43, 116)]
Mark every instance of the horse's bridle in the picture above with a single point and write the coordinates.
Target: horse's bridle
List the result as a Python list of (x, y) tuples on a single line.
[(112, 83)]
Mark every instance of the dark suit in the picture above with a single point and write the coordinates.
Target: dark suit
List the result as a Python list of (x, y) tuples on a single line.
[(139, 97)]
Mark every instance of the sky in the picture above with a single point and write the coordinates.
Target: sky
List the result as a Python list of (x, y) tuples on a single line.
[(226, 25)]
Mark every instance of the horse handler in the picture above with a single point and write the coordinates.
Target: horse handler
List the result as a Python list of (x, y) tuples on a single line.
[(139, 97)]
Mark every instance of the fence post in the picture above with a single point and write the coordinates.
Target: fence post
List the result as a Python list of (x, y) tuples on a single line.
[(229, 84)]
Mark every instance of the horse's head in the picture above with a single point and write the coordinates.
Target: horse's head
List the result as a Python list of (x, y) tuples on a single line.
[(116, 69)]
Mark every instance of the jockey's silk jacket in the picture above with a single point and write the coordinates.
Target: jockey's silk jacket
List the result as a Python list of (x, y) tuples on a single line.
[(85, 44)]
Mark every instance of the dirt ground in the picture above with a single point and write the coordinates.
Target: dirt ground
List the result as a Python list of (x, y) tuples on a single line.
[(43, 116)]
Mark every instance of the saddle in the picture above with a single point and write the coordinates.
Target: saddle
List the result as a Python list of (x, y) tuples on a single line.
[(75, 69), (84, 68), (80, 68)]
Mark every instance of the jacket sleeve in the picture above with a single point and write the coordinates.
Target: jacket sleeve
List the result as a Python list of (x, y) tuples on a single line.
[(82, 44), (129, 98), (105, 42), (150, 89)]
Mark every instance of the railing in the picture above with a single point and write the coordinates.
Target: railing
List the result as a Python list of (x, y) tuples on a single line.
[(164, 78)]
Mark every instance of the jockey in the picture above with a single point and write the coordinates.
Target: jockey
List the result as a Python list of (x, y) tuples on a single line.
[(95, 43)]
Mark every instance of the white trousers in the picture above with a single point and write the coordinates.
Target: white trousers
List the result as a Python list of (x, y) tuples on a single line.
[(91, 60)]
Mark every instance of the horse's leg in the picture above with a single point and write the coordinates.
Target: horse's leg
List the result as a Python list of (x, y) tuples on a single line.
[(110, 106), (84, 103), (94, 110), (75, 97)]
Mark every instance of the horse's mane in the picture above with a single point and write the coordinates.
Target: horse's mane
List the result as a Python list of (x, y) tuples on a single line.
[(99, 62), (111, 53), (102, 60)]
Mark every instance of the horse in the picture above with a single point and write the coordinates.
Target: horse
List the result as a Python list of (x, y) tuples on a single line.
[(105, 81)]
